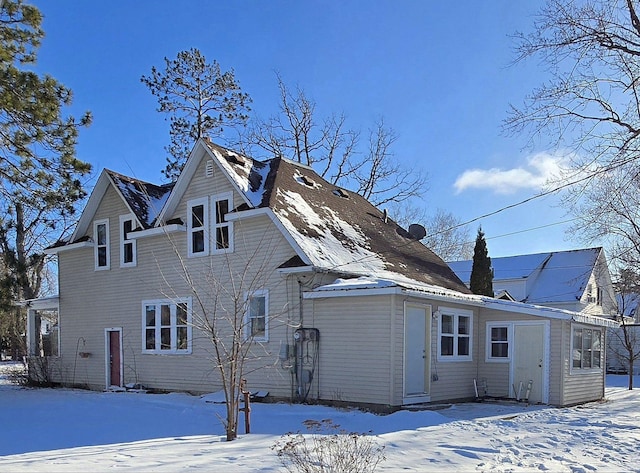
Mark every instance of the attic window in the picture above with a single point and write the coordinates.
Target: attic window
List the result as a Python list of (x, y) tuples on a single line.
[(307, 181), (209, 169), (235, 159)]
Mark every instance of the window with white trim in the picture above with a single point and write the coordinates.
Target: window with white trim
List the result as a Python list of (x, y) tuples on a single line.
[(454, 334), (101, 244), (257, 320), (167, 326), (222, 229), (498, 341), (586, 348), (197, 227), (127, 244)]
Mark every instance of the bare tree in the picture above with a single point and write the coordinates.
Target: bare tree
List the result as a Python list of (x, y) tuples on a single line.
[(591, 106), (333, 149), (231, 311), (446, 236), (624, 341)]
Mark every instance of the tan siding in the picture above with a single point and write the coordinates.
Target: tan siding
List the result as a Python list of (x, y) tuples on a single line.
[(354, 348), (579, 386), (159, 274), (455, 379)]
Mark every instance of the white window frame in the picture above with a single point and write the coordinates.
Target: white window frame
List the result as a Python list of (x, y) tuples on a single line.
[(456, 314), (489, 343), (97, 246), (173, 326), (215, 225), (588, 369), (191, 229), (124, 241), (248, 316)]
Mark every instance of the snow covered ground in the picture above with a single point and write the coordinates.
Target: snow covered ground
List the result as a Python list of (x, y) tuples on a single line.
[(61, 430)]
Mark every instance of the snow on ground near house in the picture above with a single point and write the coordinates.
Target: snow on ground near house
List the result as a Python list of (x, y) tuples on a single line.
[(61, 430)]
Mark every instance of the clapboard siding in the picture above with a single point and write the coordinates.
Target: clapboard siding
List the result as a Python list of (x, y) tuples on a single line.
[(160, 274), (354, 348)]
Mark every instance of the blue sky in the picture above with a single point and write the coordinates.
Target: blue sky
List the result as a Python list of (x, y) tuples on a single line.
[(438, 72)]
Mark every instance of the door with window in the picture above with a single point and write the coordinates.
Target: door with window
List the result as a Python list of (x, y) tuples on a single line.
[(529, 361), (113, 362), (417, 327)]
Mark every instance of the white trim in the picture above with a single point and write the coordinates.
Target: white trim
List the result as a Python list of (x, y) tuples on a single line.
[(107, 353), (225, 196), (205, 228), (373, 291), (456, 313), (97, 246), (603, 349), (247, 319), (488, 342), (71, 246), (200, 150), (122, 219), (155, 231), (173, 304)]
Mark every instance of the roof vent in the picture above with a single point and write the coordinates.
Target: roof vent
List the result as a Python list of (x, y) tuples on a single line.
[(341, 193), (209, 169), (417, 231), (235, 159), (307, 181)]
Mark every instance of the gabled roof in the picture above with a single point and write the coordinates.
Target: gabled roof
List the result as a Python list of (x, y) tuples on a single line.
[(559, 276), (143, 199), (335, 229)]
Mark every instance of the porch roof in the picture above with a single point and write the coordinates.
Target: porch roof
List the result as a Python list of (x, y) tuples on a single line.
[(375, 286)]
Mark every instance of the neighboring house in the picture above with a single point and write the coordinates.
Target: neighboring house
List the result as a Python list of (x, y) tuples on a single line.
[(345, 305), (576, 280), (618, 341)]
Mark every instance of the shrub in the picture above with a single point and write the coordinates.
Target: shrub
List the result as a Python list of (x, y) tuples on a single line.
[(328, 450)]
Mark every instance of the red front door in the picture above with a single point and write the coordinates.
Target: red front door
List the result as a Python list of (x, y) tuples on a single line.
[(114, 358)]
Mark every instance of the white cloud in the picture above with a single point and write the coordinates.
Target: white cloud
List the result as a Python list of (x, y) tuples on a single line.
[(539, 170)]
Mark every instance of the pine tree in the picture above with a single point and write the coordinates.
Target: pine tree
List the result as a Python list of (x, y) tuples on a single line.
[(201, 101), (39, 172), (481, 273)]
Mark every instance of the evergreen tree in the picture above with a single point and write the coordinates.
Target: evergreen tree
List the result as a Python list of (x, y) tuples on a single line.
[(481, 273), (39, 173), (201, 101)]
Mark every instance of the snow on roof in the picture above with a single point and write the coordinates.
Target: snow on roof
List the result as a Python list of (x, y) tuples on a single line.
[(342, 287), (559, 276), (248, 174), (145, 199), (336, 230)]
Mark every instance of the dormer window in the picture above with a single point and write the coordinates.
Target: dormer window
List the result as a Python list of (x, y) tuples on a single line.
[(127, 244), (101, 244), (223, 230), (197, 223)]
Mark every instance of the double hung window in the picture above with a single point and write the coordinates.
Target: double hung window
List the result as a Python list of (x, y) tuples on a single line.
[(127, 244), (454, 334), (256, 321), (101, 244)]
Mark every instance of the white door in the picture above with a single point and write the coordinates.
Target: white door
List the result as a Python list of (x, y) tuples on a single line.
[(416, 353), (528, 361)]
